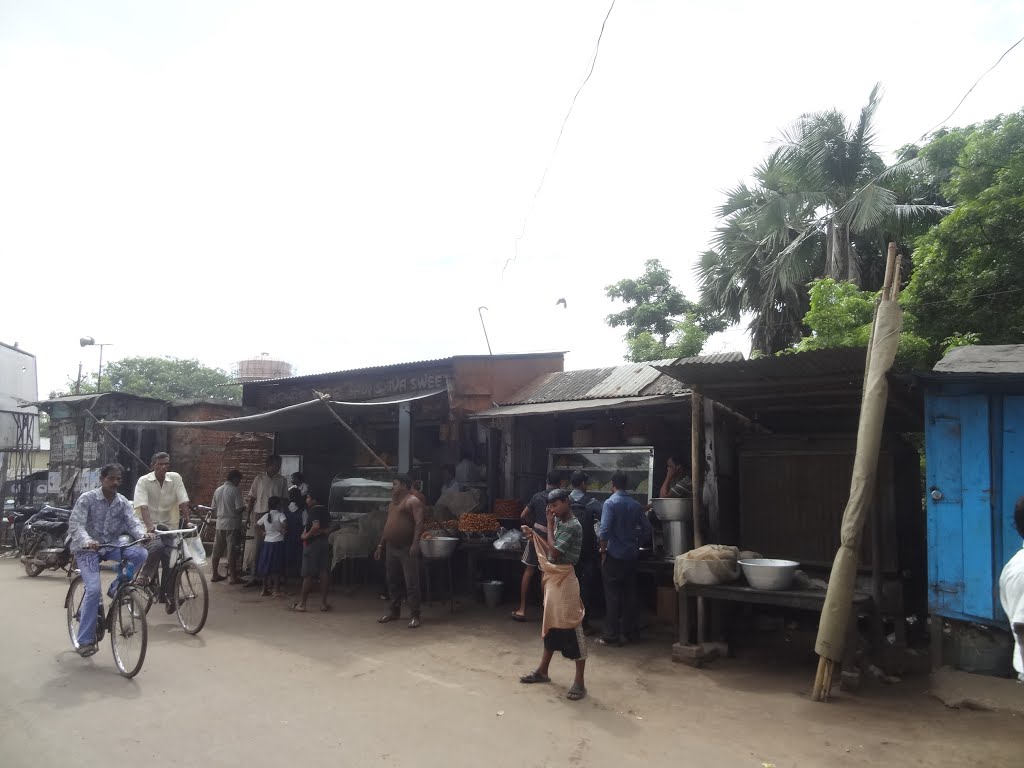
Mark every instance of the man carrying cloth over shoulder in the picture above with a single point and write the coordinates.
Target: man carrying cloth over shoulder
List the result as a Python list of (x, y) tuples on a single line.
[(563, 609)]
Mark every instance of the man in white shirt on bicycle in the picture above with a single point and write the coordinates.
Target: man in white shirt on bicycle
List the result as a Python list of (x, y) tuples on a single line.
[(160, 499)]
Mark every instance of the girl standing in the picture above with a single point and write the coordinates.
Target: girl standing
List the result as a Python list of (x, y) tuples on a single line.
[(272, 554)]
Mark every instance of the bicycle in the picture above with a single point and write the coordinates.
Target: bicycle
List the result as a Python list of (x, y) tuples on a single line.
[(125, 619), (191, 595)]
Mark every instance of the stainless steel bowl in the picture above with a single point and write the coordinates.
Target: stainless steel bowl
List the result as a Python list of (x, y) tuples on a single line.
[(438, 547), (673, 510), (765, 573)]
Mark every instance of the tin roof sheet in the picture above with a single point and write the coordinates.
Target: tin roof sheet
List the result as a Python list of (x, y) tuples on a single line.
[(983, 359), (630, 380)]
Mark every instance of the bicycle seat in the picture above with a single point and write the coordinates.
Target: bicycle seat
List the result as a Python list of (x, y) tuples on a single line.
[(50, 526)]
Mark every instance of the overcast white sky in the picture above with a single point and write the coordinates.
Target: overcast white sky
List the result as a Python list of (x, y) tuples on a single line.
[(340, 184)]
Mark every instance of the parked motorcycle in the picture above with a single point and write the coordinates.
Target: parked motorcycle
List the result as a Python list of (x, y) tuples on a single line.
[(45, 542), (12, 525)]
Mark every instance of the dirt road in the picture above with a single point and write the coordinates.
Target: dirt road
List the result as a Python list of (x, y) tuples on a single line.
[(262, 686)]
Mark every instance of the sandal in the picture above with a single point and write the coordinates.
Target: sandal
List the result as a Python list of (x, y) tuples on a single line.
[(278, 594), (517, 616), (414, 623), (387, 618), (609, 643), (325, 607), (534, 677), (575, 694), (298, 608)]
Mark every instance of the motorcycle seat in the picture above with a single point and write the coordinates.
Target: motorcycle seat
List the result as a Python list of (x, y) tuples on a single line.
[(50, 526)]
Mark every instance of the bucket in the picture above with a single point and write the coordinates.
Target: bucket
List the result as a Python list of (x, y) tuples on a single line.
[(678, 538), (492, 593)]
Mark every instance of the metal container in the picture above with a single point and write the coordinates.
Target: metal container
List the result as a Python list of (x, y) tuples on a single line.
[(673, 510), (677, 537), (764, 573), (438, 547)]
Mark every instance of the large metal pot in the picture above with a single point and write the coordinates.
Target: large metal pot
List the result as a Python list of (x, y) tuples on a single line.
[(438, 547), (673, 510)]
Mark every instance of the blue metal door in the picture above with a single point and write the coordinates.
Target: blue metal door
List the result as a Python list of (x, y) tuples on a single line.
[(1012, 486), (959, 476)]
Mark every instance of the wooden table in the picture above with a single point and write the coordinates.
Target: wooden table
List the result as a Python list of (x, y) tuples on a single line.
[(799, 599)]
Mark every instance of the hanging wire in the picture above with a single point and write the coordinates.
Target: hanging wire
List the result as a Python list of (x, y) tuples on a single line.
[(558, 140)]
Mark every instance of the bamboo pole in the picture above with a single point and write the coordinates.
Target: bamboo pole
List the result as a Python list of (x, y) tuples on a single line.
[(323, 399), (696, 459)]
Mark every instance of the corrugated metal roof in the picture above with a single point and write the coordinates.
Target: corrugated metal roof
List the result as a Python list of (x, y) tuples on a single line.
[(841, 361), (572, 406), (983, 359), (392, 366), (631, 380)]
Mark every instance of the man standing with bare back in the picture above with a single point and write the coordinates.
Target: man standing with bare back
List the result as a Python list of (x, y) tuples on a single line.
[(402, 538)]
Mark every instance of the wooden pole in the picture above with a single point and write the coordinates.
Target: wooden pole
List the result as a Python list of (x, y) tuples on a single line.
[(323, 399), (696, 459)]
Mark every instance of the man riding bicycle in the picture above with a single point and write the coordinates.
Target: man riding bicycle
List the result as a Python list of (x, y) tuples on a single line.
[(160, 498), (99, 517)]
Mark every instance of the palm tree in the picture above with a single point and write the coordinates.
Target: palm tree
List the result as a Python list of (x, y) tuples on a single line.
[(861, 204), (763, 255), (823, 204)]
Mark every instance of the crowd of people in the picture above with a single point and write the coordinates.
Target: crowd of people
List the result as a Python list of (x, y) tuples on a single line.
[(571, 537)]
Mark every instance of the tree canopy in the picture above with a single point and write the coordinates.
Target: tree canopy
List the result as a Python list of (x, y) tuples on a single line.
[(823, 204), (660, 322), (166, 378), (968, 278)]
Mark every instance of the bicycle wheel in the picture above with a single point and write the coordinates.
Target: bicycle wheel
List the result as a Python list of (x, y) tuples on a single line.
[(73, 603), (128, 632), (191, 599)]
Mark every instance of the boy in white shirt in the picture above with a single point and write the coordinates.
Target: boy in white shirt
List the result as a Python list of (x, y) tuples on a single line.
[(272, 553)]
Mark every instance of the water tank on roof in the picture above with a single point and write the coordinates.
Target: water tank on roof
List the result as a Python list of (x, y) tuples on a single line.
[(262, 367)]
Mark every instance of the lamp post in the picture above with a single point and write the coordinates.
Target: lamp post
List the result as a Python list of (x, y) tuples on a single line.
[(89, 341)]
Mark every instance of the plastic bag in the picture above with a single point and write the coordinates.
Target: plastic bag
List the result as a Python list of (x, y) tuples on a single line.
[(195, 549), (510, 541)]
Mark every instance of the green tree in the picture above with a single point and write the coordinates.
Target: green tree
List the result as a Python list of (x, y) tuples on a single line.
[(166, 378), (761, 258), (822, 204), (660, 322), (841, 316), (968, 280)]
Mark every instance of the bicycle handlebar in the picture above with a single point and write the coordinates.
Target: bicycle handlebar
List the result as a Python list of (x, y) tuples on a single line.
[(175, 531)]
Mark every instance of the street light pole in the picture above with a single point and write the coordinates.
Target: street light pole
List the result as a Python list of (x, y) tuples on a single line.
[(89, 341)]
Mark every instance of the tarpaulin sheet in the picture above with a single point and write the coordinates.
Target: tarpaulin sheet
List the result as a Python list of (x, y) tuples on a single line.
[(835, 615)]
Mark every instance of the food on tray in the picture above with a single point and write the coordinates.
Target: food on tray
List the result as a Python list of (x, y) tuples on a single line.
[(474, 522), (441, 525)]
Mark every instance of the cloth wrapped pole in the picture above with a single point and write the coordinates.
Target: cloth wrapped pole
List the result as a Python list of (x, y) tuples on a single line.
[(835, 615)]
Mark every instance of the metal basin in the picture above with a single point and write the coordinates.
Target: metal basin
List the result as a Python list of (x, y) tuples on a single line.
[(438, 547), (673, 510), (765, 573)]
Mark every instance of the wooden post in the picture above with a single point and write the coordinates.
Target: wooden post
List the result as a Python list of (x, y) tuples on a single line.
[(696, 458)]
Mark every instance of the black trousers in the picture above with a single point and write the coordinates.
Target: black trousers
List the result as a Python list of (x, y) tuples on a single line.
[(585, 576), (621, 608)]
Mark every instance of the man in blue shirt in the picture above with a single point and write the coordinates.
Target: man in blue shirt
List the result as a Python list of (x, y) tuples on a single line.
[(99, 517), (623, 526)]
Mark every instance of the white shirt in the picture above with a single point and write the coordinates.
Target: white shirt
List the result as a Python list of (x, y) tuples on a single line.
[(265, 486), (1011, 595), (162, 500), (273, 523)]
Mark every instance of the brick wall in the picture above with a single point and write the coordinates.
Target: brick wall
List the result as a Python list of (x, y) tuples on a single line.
[(247, 452), (198, 454)]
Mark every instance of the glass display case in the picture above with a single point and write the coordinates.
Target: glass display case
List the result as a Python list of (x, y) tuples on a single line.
[(599, 463)]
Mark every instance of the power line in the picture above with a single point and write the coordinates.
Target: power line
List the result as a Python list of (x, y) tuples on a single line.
[(971, 89), (558, 140)]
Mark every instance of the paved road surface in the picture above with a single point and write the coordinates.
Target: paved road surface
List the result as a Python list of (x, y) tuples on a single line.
[(261, 686)]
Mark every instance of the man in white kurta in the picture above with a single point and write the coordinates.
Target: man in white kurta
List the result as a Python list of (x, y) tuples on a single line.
[(265, 485), (1011, 593)]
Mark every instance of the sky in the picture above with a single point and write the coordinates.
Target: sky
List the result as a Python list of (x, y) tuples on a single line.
[(342, 184)]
